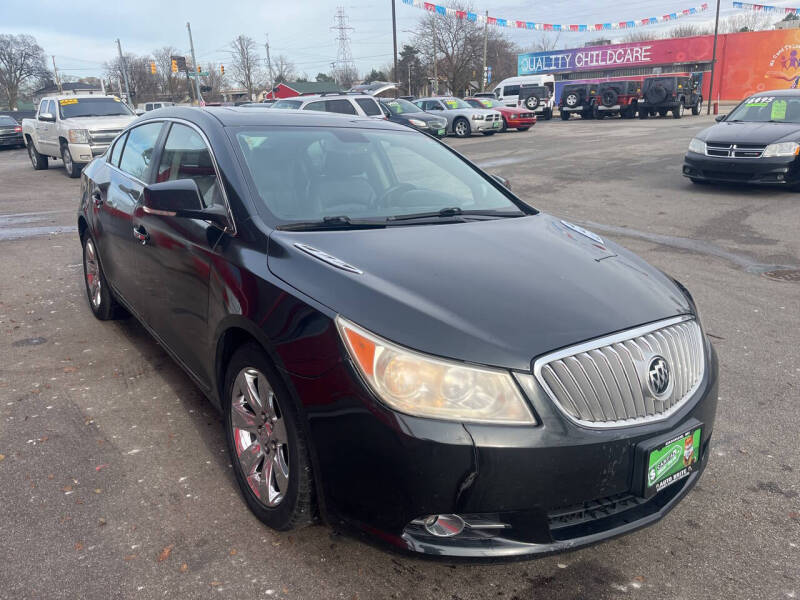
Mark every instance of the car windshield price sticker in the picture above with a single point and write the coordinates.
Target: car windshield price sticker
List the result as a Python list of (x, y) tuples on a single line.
[(68, 101), (778, 110), (451, 103), (672, 461), (759, 100)]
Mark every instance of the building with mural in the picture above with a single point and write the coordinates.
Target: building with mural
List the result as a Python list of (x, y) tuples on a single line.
[(747, 63)]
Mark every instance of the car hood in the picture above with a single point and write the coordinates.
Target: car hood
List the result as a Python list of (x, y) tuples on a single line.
[(497, 292), (423, 116), (750, 133), (95, 123)]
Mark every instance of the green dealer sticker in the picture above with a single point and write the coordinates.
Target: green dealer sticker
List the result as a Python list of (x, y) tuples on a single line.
[(778, 110), (672, 461)]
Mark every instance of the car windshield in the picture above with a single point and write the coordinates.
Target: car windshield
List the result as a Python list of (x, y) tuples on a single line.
[(92, 107), (401, 107), (452, 103), (310, 173), (288, 104), (4, 120), (490, 103), (768, 109)]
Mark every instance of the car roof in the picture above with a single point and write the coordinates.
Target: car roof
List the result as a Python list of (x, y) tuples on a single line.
[(235, 116), (330, 95), (78, 96)]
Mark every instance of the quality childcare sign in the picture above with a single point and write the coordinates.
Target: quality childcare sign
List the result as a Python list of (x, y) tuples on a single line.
[(597, 57)]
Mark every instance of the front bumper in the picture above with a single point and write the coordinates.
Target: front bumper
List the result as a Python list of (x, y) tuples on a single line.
[(84, 153), (554, 487), (772, 171), (521, 122), (483, 125)]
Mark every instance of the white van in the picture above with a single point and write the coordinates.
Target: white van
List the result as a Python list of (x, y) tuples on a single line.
[(508, 92)]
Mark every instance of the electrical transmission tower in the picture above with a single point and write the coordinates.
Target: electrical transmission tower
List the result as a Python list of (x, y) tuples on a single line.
[(344, 69)]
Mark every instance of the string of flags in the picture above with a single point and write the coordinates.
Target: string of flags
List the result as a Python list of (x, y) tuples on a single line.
[(535, 25), (764, 8)]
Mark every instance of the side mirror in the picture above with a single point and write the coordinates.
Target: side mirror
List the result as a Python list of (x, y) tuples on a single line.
[(181, 198), (502, 181), (720, 118), (50, 117)]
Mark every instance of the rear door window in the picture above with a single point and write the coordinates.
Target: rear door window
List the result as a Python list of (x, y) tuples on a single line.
[(370, 107), (117, 150), (511, 90), (138, 150), (341, 106)]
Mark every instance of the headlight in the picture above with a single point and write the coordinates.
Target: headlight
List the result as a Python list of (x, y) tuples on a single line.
[(477, 117), (782, 149), (417, 123), (79, 136), (426, 386), (697, 146)]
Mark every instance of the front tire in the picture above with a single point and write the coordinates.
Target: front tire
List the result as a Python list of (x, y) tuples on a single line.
[(504, 128), (697, 108), (461, 128), (677, 112), (267, 446), (548, 114), (101, 300), (73, 168), (523, 128), (38, 161)]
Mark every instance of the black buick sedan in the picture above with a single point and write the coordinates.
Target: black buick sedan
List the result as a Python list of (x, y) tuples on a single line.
[(404, 112), (398, 344), (758, 142)]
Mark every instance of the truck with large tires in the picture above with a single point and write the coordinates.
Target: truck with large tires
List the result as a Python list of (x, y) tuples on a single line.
[(670, 94), (74, 128), (617, 98), (578, 98), (537, 99)]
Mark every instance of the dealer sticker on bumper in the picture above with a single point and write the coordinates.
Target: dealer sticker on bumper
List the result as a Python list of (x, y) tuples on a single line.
[(672, 461)]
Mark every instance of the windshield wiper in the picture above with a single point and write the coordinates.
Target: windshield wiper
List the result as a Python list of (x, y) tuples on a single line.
[(337, 222), (455, 211)]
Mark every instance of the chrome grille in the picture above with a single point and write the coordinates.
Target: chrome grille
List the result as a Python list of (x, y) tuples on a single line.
[(604, 383), (101, 137), (735, 150)]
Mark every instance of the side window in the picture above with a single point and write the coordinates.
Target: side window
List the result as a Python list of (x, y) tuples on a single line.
[(511, 90), (148, 106), (43, 106), (315, 105), (51, 108), (138, 150), (370, 107), (117, 150), (341, 106), (186, 156)]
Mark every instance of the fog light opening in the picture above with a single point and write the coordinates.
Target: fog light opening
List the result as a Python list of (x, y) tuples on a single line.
[(444, 525)]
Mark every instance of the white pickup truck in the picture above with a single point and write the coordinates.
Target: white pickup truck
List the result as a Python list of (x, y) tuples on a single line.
[(74, 129)]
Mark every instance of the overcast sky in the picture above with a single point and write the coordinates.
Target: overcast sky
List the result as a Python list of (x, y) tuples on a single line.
[(81, 34)]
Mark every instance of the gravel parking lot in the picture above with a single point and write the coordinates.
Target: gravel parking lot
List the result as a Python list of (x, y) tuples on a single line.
[(116, 483)]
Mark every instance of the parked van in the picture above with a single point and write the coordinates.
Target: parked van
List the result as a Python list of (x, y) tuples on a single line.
[(508, 92)]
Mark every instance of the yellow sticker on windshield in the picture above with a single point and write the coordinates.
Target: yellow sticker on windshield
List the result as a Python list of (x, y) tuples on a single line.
[(778, 110), (117, 99), (451, 103), (66, 101)]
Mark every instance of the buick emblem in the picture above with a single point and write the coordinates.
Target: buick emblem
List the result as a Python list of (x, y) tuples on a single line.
[(658, 376)]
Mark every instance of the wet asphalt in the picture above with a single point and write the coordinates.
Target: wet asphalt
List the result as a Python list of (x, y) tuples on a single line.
[(114, 482)]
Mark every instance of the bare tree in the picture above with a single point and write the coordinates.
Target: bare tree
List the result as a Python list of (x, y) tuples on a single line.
[(170, 83), (245, 63), (547, 40), (283, 69), (747, 21), (644, 35), (689, 30), (21, 60), (144, 84), (215, 80)]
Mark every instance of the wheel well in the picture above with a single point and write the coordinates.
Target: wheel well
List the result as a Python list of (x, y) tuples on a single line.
[(82, 226), (230, 341), (62, 141)]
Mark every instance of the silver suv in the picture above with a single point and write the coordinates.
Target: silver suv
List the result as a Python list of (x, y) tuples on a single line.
[(345, 103)]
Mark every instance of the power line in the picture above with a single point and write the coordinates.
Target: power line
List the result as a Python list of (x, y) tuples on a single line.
[(343, 67)]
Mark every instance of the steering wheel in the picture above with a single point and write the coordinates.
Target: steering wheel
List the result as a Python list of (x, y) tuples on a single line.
[(392, 191)]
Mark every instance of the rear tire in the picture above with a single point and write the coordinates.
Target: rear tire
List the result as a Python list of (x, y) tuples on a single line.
[(548, 114), (565, 116), (279, 486), (523, 128), (73, 169), (677, 112), (644, 113), (38, 161), (101, 299), (461, 128), (662, 112), (488, 132), (697, 108)]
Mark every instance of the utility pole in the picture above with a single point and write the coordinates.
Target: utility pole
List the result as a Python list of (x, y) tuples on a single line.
[(124, 73), (395, 75), (194, 62), (435, 67), (410, 93), (269, 65), (713, 62), (55, 71), (485, 44)]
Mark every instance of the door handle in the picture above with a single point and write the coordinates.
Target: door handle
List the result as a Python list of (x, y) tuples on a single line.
[(140, 233), (97, 198)]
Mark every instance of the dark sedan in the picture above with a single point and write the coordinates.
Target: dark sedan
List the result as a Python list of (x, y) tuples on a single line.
[(758, 142), (10, 132), (404, 112), (397, 343)]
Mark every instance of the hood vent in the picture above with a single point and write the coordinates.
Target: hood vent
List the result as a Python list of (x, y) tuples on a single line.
[(328, 258)]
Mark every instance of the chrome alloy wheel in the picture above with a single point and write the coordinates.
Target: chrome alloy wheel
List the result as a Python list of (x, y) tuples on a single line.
[(461, 129), (93, 283), (260, 437), (67, 158), (31, 154)]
